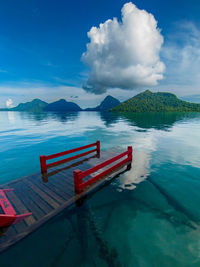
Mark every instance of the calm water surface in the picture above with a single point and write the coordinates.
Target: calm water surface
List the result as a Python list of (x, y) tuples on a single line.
[(147, 217)]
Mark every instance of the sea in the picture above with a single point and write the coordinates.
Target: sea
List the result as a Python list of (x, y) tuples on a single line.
[(148, 216)]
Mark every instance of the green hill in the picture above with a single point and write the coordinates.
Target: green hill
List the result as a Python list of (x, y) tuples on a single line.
[(156, 102), (35, 105)]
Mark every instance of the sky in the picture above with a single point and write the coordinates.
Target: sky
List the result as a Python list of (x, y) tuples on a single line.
[(85, 50)]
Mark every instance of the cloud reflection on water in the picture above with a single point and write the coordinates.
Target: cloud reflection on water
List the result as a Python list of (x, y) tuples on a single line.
[(155, 137)]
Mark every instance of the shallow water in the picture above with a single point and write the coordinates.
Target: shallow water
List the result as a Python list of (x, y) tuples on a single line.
[(148, 216)]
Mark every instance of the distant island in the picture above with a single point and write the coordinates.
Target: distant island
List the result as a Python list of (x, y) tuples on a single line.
[(108, 103), (146, 101), (35, 105), (62, 105), (191, 98)]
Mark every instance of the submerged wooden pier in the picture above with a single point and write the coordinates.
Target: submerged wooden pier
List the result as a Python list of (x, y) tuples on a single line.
[(48, 193)]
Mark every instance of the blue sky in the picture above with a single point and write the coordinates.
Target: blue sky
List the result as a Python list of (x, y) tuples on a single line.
[(42, 43)]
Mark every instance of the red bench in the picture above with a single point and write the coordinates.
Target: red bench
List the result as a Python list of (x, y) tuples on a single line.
[(10, 216)]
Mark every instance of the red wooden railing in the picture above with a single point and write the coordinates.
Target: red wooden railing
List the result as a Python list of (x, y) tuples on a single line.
[(79, 185), (43, 159)]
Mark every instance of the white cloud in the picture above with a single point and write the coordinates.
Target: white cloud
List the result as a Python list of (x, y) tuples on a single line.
[(124, 54), (9, 103)]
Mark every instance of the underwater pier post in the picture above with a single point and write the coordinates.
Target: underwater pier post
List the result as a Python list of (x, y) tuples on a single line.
[(130, 153), (43, 164), (130, 157), (77, 181), (98, 147)]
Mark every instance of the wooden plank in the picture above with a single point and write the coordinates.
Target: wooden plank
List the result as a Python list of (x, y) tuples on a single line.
[(59, 191), (63, 177), (67, 179), (37, 199), (12, 183), (20, 227), (68, 185), (43, 195), (63, 187), (49, 191), (20, 192)]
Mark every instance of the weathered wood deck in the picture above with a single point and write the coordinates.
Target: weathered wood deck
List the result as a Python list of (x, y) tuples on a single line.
[(46, 196)]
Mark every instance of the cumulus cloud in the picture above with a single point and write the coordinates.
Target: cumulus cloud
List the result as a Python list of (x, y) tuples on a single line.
[(9, 103), (124, 54)]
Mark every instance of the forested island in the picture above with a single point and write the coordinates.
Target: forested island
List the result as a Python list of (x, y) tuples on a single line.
[(148, 101)]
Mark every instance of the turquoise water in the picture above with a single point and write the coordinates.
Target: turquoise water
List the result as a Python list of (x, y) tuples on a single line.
[(147, 217)]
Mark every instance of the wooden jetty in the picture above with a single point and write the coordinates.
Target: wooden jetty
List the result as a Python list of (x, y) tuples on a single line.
[(58, 186)]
